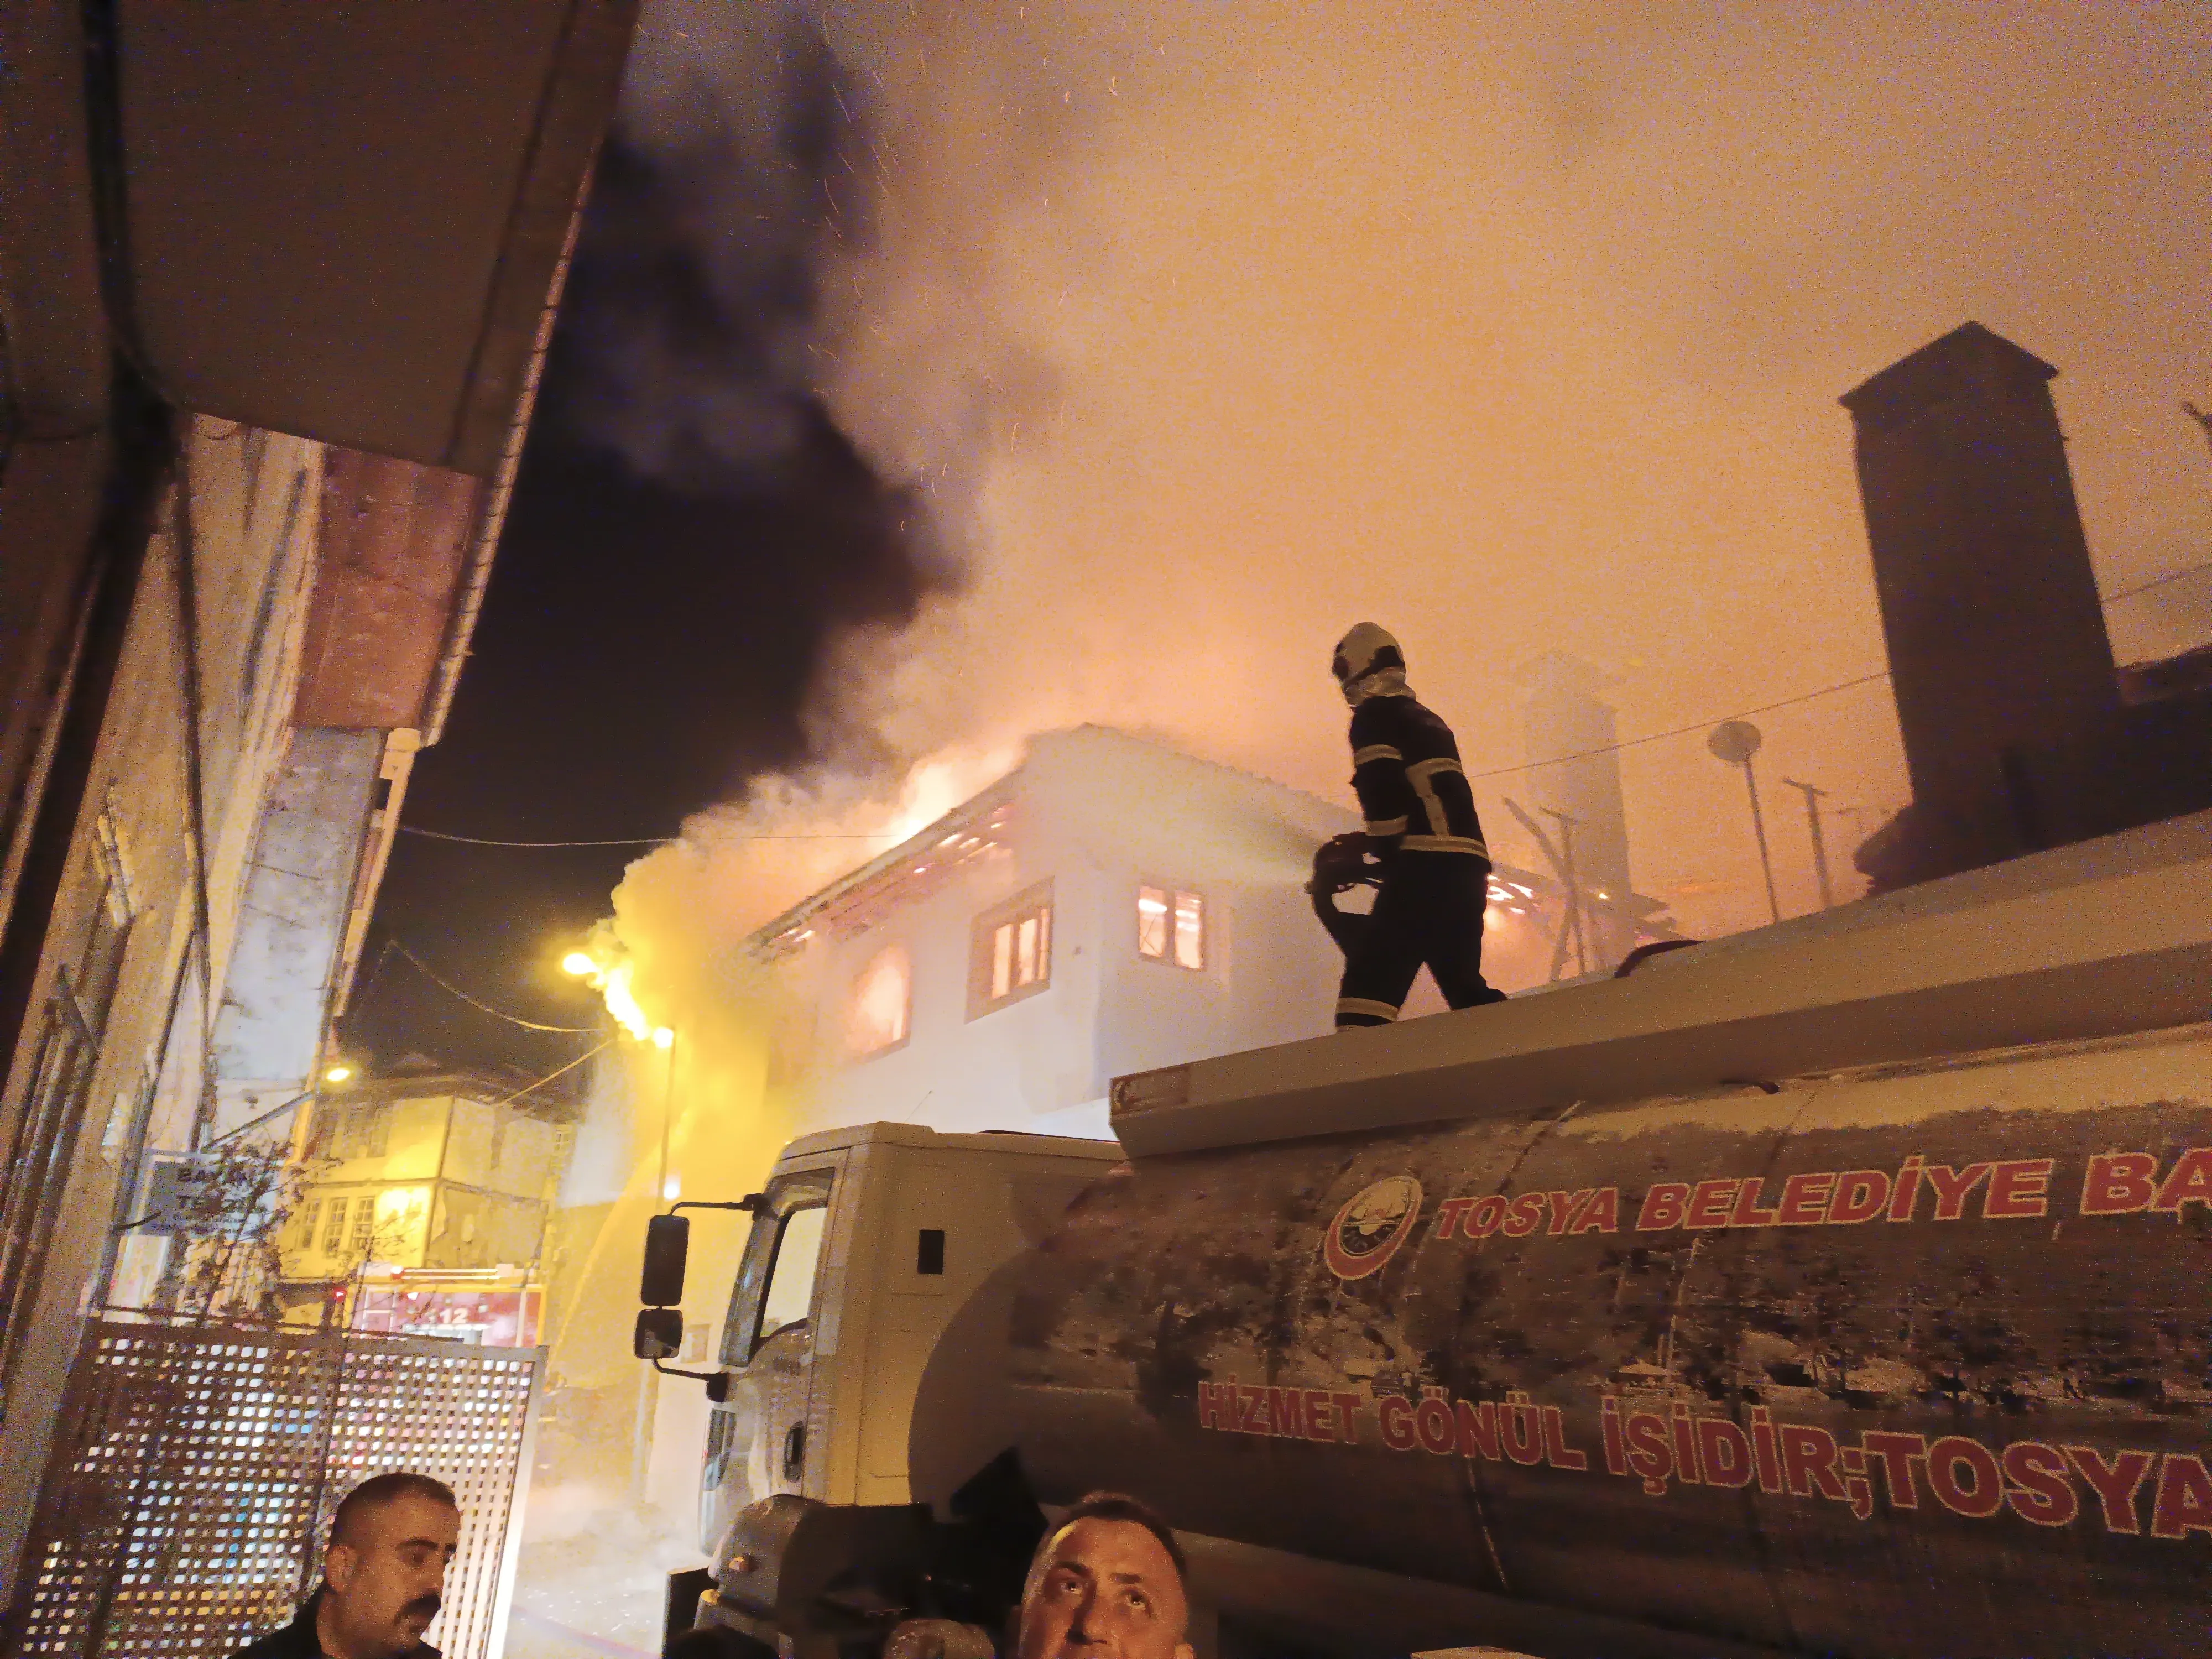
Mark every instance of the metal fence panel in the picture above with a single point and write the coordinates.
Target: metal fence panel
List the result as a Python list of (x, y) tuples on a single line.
[(184, 1513)]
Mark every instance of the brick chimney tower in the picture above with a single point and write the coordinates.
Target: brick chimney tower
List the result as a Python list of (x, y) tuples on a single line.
[(1997, 647)]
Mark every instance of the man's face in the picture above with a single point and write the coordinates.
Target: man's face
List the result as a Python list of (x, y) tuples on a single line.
[(387, 1577), (1104, 1589)]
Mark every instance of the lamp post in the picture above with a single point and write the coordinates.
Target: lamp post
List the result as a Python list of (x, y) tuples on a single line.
[(1736, 742)]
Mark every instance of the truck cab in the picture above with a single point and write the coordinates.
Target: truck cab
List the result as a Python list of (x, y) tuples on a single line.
[(866, 1242)]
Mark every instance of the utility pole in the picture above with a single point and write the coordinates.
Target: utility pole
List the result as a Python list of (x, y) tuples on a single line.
[(1819, 840), (1572, 929), (1736, 742), (1571, 921)]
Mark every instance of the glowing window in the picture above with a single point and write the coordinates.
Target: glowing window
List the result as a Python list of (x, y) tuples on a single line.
[(882, 997), (364, 1224), (1011, 957), (1171, 926), (334, 1229)]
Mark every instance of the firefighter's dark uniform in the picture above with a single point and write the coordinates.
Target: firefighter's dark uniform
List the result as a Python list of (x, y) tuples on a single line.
[(1435, 869)]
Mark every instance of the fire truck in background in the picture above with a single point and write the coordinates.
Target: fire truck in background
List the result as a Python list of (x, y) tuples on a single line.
[(1843, 1287)]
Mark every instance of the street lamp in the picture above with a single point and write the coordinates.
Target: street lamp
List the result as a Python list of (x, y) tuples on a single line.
[(1736, 742)]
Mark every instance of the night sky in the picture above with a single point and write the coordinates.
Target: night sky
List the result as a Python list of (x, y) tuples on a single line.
[(659, 607)]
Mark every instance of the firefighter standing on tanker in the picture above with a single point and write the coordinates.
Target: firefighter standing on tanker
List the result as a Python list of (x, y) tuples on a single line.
[(1422, 826)]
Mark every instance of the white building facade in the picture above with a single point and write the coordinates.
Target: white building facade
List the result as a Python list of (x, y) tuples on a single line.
[(1111, 906)]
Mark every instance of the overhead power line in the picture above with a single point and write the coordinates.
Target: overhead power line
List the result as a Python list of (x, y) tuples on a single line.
[(1680, 731), (637, 840), (2158, 581), (1803, 696), (489, 841), (541, 1082), (451, 989), (1494, 772)]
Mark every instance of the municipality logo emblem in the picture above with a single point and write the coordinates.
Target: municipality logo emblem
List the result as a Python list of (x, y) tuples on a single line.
[(1369, 1229)]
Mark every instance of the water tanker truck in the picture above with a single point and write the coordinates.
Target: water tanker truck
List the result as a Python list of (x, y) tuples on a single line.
[(1840, 1288)]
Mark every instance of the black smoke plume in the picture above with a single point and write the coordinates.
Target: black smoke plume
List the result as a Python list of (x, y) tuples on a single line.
[(691, 534)]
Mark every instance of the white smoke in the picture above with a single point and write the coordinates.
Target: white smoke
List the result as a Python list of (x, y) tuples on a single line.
[(1202, 331)]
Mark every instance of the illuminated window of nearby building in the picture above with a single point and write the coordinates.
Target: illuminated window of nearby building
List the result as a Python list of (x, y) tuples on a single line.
[(1171, 926), (308, 1212), (1010, 955), (882, 998), (364, 1224), (334, 1229)]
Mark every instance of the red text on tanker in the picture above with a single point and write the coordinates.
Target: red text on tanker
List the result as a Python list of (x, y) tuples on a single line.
[(2131, 1492), (1990, 1189)]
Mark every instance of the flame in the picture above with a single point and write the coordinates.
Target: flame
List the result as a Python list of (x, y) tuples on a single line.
[(809, 838), (935, 786), (604, 964)]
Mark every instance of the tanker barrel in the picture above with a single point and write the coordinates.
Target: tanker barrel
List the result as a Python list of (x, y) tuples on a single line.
[(1909, 1360)]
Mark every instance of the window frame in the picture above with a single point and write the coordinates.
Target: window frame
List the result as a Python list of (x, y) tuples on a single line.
[(1034, 902), (761, 1335), (1170, 955), (801, 1189), (853, 1053)]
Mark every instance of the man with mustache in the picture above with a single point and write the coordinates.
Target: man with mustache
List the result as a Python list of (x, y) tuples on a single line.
[(384, 1574)]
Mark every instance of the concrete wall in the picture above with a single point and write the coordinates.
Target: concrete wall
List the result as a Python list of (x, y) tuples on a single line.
[(1270, 975), (999, 1071), (458, 1182), (293, 913), (501, 1148), (473, 1229), (131, 859)]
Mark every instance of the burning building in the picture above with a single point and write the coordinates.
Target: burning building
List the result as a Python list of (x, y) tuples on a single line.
[(1110, 906)]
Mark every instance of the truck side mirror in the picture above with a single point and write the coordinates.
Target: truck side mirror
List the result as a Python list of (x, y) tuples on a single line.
[(667, 1243), (660, 1332)]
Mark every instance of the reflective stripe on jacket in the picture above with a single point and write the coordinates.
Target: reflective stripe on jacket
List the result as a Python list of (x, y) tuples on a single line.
[(1413, 790)]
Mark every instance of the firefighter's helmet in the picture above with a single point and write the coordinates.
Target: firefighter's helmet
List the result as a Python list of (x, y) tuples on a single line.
[(1363, 652)]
